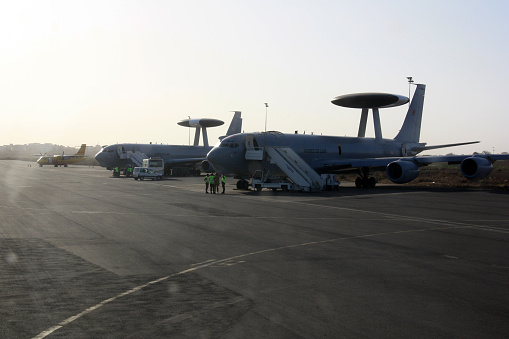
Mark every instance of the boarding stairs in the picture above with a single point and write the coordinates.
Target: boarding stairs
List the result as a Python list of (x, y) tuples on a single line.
[(297, 170), (135, 157)]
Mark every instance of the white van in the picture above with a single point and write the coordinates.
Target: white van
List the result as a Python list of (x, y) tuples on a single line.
[(146, 173)]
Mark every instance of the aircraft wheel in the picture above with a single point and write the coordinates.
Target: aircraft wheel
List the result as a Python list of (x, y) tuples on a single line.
[(242, 185), (372, 182), (135, 178), (358, 182), (258, 187)]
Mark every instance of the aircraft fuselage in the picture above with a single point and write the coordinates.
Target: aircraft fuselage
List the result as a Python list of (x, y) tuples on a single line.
[(328, 151), (58, 160), (114, 155)]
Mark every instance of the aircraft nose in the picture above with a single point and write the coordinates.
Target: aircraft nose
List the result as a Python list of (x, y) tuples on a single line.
[(100, 157), (217, 157), (213, 156)]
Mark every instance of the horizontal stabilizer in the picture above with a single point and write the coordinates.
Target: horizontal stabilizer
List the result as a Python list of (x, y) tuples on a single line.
[(427, 148)]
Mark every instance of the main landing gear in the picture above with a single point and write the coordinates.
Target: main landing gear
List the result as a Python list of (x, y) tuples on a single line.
[(365, 181)]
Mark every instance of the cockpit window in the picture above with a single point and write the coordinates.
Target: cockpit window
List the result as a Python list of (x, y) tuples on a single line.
[(229, 143)]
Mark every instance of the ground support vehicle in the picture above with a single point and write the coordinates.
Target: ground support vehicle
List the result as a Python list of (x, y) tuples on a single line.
[(142, 173), (329, 182), (274, 184), (156, 163)]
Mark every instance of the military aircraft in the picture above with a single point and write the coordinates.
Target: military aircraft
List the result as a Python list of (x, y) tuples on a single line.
[(178, 160), (248, 153), (63, 160)]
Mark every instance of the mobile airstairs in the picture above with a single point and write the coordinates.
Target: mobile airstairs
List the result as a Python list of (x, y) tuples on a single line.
[(299, 175), (135, 157)]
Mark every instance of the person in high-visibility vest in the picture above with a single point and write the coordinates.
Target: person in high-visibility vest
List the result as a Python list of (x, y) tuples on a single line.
[(223, 182), (212, 183), (207, 180), (218, 180)]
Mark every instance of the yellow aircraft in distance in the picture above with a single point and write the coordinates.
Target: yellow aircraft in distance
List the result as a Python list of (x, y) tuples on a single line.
[(63, 160)]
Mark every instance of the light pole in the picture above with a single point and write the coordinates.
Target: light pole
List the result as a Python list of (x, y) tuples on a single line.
[(265, 134), (266, 106)]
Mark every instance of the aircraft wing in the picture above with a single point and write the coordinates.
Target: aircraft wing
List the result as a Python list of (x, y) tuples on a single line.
[(324, 165), (456, 159), (184, 161)]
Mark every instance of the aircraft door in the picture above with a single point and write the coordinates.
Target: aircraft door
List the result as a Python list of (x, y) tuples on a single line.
[(250, 142), (403, 150), (121, 152), (253, 152)]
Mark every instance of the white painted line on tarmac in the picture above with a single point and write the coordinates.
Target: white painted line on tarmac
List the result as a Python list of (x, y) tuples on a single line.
[(234, 260), (445, 225)]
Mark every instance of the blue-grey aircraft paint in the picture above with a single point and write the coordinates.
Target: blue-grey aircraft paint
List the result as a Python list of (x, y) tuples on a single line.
[(327, 154), (173, 155)]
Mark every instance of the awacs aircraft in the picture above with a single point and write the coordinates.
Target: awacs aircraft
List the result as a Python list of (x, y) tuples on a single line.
[(178, 159), (63, 160), (248, 153)]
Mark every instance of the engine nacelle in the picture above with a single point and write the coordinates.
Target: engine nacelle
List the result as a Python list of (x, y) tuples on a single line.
[(401, 172), (476, 167), (206, 166)]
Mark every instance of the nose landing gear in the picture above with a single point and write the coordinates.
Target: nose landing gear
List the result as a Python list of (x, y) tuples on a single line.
[(242, 184)]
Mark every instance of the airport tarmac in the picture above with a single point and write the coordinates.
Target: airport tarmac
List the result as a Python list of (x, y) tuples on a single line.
[(86, 255)]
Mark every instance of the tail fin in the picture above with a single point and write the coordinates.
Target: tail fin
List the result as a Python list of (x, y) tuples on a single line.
[(235, 125), (82, 149), (411, 129)]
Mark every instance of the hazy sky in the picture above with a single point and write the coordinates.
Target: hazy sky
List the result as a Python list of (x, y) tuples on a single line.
[(103, 72)]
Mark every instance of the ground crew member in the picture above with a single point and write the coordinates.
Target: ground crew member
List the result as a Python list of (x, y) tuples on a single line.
[(223, 182), (218, 180), (207, 179), (116, 172), (212, 184)]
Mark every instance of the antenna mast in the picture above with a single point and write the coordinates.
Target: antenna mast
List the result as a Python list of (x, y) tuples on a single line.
[(410, 82)]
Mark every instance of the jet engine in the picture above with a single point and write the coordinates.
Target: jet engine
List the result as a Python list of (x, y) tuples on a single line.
[(205, 166), (476, 167), (401, 172)]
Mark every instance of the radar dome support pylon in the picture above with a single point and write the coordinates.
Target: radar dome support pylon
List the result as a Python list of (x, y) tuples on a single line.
[(367, 101), (200, 124)]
